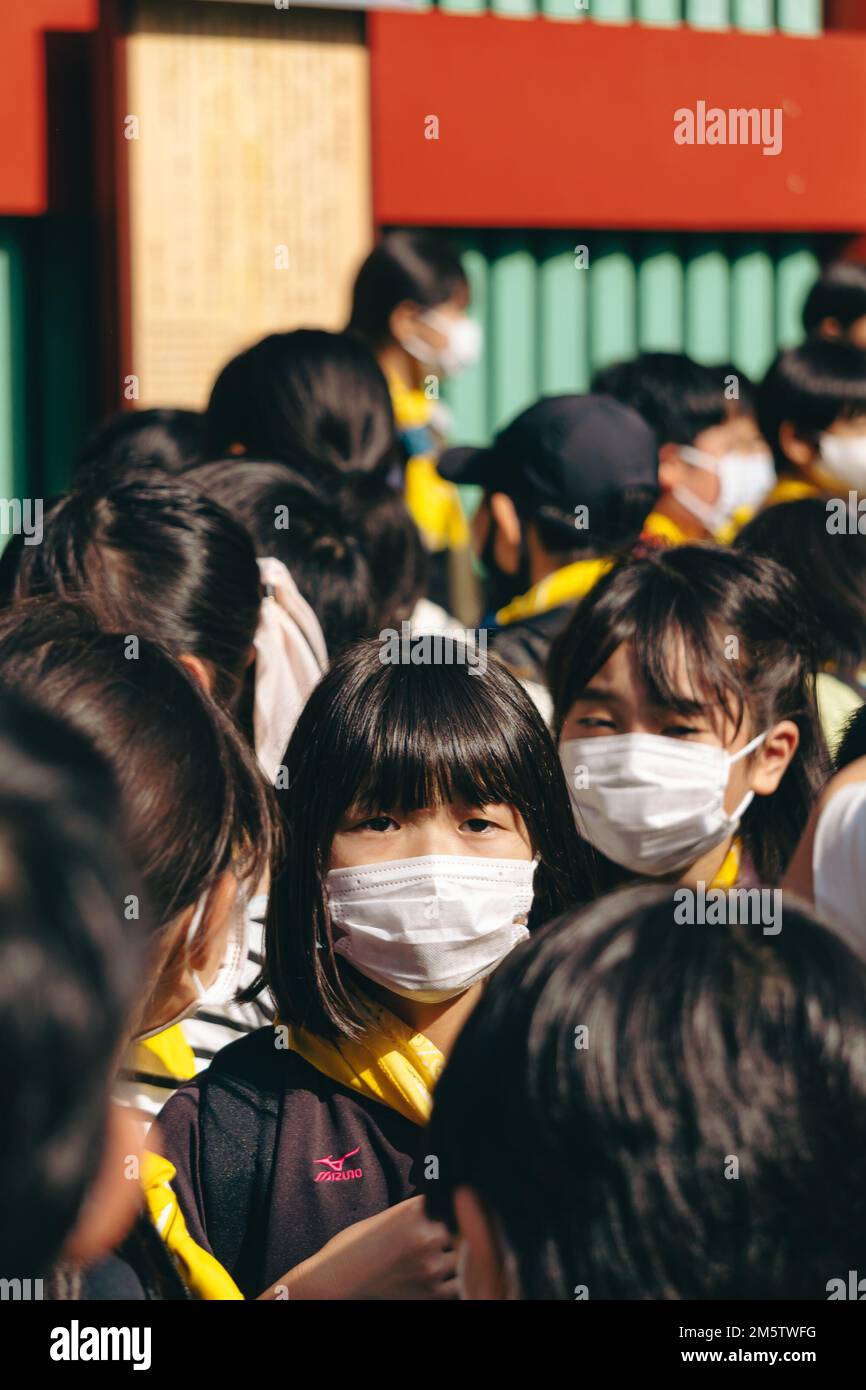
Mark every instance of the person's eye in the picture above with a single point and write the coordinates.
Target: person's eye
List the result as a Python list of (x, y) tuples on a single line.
[(595, 721), (682, 731), (478, 825), (379, 824)]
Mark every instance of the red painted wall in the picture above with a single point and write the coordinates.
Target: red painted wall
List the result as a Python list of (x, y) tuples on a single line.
[(571, 124), (23, 147)]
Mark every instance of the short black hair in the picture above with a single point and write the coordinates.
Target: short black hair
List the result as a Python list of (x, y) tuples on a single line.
[(70, 972), (699, 596), (678, 398), (831, 569), (853, 742), (404, 735), (615, 1069), (811, 386), (318, 401), (839, 293), (419, 266), (168, 439)]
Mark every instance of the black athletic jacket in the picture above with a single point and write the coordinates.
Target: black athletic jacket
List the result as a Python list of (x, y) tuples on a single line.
[(273, 1159)]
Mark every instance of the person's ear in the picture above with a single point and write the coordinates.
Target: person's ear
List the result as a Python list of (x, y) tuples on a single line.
[(830, 328), (670, 467), (111, 1205), (207, 948), (483, 1266), (401, 320), (797, 450), (199, 670), (506, 540), (774, 757)]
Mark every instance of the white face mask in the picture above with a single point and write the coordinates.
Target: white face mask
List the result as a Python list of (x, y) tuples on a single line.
[(464, 339), (430, 927), (744, 481), (651, 804), (845, 459), (226, 982)]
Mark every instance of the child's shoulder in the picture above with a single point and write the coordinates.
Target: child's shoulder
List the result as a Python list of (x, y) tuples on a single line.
[(261, 1064)]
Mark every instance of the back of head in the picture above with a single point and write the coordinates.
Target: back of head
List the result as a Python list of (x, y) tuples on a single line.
[(313, 399), (653, 1110), (838, 294), (69, 976), (152, 557), (830, 567), (171, 440), (678, 398), (193, 800), (811, 386), (288, 518), (419, 267)]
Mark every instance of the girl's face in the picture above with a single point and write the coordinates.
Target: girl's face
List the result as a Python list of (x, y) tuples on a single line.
[(489, 832), (616, 701)]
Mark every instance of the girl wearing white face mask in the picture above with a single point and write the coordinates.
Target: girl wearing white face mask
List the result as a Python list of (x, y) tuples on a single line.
[(411, 303), (429, 830), (812, 409), (683, 697)]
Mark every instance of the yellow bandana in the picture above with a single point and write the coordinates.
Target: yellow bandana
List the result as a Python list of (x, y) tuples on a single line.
[(730, 869), (390, 1064), (563, 586), (661, 527), (203, 1275)]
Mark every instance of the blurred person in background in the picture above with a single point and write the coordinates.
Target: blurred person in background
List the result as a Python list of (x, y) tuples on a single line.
[(410, 302), (168, 439), (568, 485), (714, 466), (835, 306), (812, 411)]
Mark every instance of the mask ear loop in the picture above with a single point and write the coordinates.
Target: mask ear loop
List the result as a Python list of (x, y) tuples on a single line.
[(735, 758), (706, 514)]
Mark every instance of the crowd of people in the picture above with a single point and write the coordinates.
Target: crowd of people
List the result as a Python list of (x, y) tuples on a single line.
[(389, 828)]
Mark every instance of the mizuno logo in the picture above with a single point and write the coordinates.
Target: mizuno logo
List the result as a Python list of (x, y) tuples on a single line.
[(336, 1170)]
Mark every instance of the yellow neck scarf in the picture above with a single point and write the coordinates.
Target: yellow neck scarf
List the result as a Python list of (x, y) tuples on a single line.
[(390, 1064), (564, 585), (203, 1275), (730, 868), (661, 527)]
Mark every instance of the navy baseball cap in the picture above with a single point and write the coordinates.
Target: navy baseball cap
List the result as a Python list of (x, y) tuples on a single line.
[(561, 453)]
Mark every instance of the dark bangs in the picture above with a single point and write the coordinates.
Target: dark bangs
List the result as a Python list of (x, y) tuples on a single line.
[(398, 738)]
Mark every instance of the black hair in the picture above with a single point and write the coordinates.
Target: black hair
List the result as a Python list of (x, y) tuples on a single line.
[(678, 398), (404, 736), (615, 1069), (69, 975), (746, 400), (811, 386), (150, 556), (289, 519), (194, 800), (616, 527), (694, 598), (168, 439), (852, 745), (316, 400), (839, 293), (421, 267), (831, 569)]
